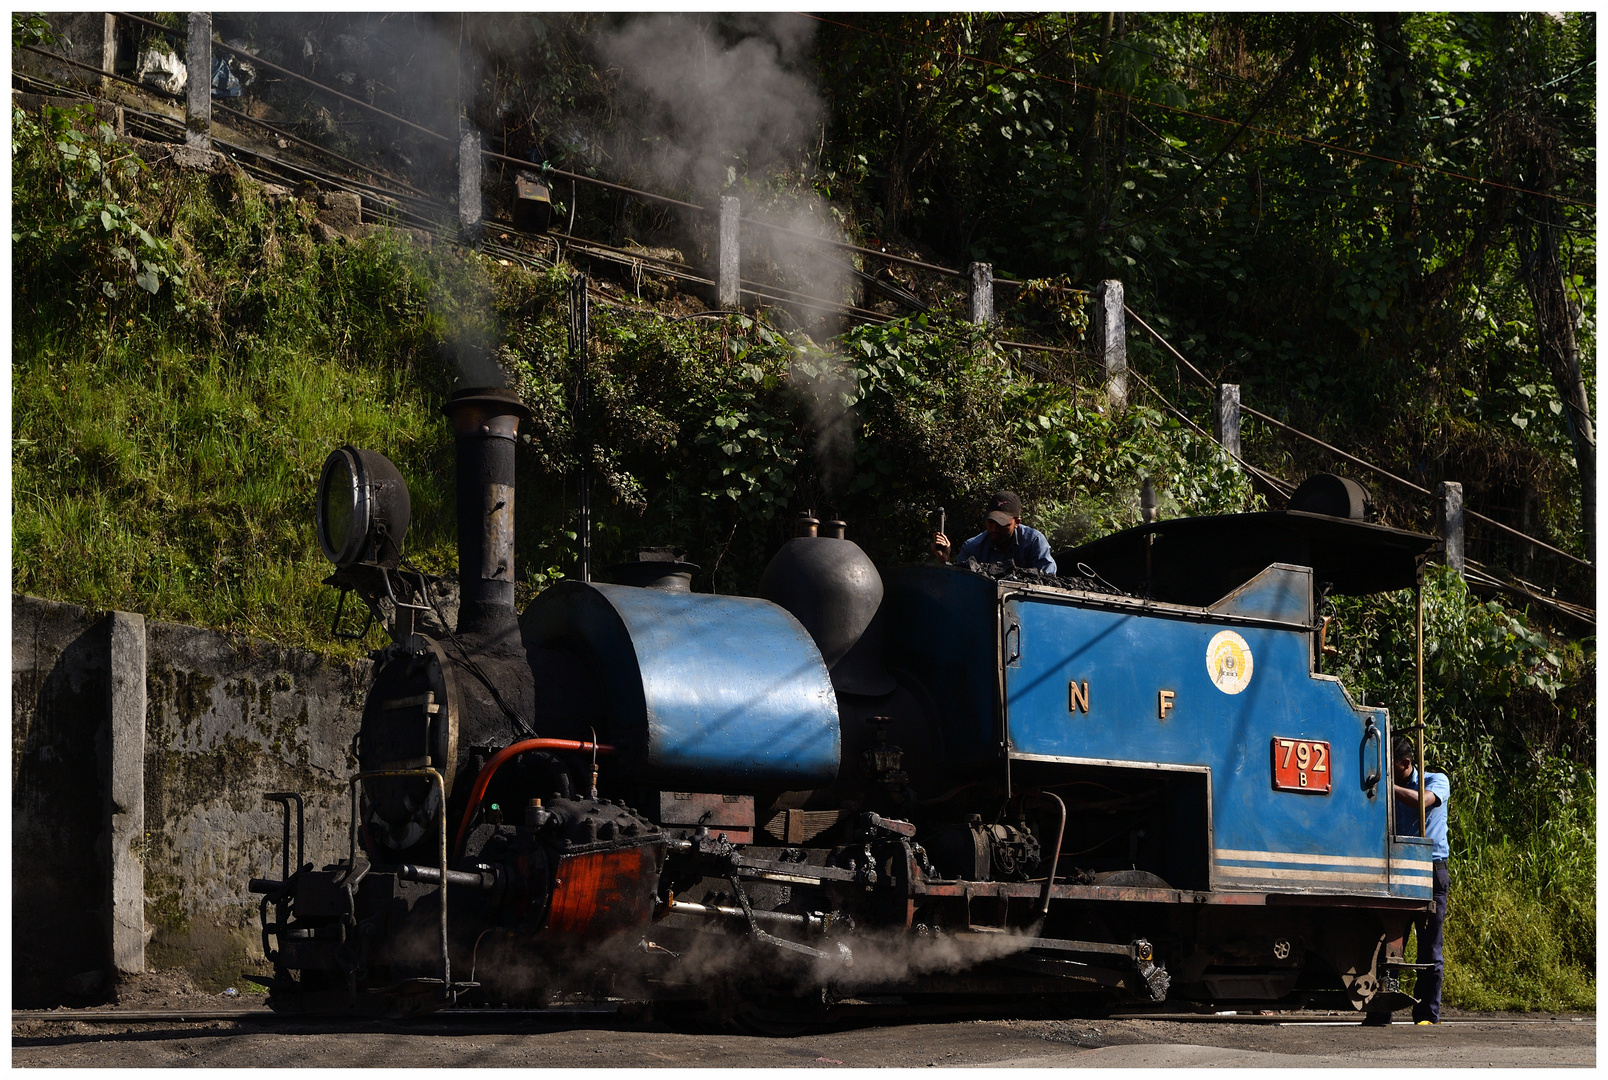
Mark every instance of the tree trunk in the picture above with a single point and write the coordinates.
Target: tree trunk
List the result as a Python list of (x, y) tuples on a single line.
[(1555, 327), (1397, 96), (1093, 133)]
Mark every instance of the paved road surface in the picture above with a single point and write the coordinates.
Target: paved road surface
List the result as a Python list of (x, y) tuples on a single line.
[(606, 1042)]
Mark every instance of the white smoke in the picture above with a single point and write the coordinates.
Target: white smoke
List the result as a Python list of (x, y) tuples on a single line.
[(717, 110), (893, 957), (729, 961), (726, 114), (822, 383)]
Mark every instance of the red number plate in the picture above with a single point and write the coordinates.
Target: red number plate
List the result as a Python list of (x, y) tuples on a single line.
[(1301, 765)]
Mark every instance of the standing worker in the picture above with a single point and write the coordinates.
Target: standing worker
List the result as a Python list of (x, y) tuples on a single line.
[(1004, 538), (1437, 790)]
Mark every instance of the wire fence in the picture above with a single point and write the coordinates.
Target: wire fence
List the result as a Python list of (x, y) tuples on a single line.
[(1488, 578)]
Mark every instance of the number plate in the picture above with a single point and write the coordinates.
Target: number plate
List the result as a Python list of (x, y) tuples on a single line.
[(1301, 765)]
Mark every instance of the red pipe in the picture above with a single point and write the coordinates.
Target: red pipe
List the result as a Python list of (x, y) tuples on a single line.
[(483, 780)]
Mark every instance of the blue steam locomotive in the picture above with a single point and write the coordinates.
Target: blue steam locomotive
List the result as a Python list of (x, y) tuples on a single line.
[(1131, 783)]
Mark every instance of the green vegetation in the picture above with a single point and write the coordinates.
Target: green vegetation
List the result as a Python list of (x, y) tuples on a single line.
[(1510, 715), (1204, 160), (185, 353), (167, 440)]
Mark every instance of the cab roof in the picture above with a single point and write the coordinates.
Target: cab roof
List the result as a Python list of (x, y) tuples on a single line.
[(1198, 560)]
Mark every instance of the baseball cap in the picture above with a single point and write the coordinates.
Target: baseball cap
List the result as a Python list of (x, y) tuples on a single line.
[(1003, 507)]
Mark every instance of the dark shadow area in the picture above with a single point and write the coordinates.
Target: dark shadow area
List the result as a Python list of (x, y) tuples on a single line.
[(61, 954)]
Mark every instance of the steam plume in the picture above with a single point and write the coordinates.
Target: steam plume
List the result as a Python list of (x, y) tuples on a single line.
[(719, 109), (716, 110)]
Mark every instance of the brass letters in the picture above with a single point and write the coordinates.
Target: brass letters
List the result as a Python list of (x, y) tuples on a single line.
[(1078, 697), (1164, 702)]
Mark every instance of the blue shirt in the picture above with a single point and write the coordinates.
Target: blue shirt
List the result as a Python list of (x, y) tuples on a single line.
[(1434, 817), (1027, 548)]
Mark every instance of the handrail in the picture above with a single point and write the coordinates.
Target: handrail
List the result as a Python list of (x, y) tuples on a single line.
[(1271, 481), (1354, 459), (634, 192), (1527, 538)]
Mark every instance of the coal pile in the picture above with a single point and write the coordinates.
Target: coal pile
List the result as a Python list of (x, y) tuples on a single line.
[(1082, 578)]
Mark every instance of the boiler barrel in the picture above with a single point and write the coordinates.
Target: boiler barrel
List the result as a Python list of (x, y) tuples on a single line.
[(722, 691)]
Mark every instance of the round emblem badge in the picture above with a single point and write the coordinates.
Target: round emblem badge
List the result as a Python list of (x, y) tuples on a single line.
[(1228, 662)]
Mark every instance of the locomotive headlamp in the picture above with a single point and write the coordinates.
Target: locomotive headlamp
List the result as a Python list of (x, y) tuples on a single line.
[(362, 509)]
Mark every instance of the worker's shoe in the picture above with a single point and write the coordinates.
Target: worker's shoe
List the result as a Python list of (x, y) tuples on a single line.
[(1427, 1023)]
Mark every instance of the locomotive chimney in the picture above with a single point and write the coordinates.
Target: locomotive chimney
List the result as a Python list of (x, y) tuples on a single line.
[(485, 425)]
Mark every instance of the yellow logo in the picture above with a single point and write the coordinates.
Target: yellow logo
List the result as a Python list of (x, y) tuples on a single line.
[(1228, 662)]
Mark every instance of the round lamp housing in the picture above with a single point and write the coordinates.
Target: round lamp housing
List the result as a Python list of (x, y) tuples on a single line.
[(363, 509)]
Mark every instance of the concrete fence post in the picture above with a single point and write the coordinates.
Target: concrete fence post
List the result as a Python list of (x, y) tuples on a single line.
[(1111, 340), (728, 255), (108, 50), (125, 793), (470, 166), (980, 280), (198, 65), (1226, 418), (1449, 521)]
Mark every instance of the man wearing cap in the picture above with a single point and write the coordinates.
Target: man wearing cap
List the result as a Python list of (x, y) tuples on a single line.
[(1004, 538)]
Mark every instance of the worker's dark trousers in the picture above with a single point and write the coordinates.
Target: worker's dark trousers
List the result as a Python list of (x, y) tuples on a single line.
[(1428, 990)]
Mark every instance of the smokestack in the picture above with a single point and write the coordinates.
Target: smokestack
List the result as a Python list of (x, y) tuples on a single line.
[(485, 425)]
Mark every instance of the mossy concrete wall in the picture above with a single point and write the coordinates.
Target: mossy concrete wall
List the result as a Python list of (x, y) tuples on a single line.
[(227, 719)]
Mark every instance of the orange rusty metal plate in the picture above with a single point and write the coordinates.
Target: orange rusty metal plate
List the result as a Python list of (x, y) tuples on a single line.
[(604, 892)]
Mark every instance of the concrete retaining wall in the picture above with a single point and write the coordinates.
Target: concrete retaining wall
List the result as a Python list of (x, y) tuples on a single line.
[(133, 842)]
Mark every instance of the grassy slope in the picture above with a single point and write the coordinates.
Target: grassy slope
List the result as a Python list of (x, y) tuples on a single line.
[(165, 461)]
